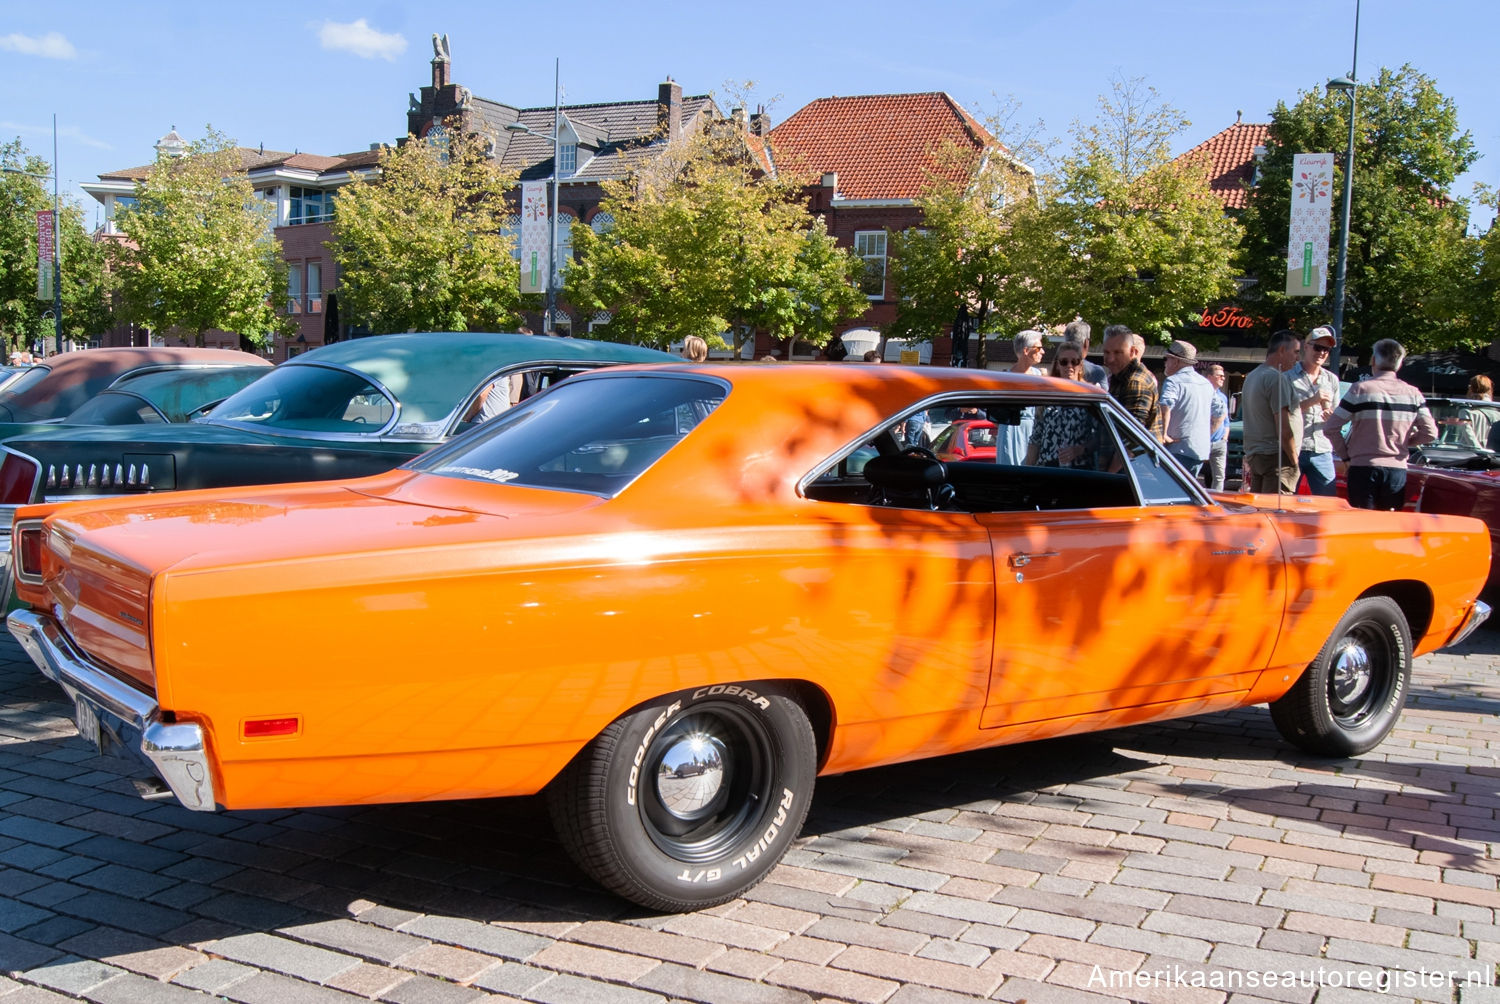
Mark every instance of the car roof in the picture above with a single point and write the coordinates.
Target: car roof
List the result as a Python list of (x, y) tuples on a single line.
[(94, 369), (431, 372)]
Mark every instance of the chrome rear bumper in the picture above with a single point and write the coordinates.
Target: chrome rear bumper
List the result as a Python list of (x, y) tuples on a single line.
[(117, 718), (1476, 616)]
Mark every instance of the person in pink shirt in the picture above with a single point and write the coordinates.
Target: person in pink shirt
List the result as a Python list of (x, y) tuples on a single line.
[(1387, 417)]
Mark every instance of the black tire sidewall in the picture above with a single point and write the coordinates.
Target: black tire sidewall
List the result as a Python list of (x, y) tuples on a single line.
[(1339, 739), (791, 770)]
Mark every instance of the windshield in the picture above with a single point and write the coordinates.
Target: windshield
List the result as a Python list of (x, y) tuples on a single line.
[(1469, 424), (585, 435), (310, 398)]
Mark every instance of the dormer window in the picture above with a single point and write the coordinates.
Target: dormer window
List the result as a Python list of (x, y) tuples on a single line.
[(567, 159)]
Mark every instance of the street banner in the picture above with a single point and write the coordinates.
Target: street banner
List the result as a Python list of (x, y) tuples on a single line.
[(534, 236), (1312, 205), (44, 255)]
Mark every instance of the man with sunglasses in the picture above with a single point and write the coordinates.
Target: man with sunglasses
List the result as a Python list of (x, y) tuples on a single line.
[(1317, 391)]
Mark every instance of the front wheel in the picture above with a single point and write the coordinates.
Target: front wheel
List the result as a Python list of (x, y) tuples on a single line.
[(689, 800), (1348, 700)]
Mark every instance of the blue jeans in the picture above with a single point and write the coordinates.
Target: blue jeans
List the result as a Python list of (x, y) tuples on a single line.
[(1318, 469), (1377, 487)]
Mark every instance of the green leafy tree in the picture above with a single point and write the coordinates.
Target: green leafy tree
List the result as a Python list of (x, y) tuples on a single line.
[(1121, 232), (1410, 271), (704, 245), (426, 246), (85, 279), (960, 258), (1485, 255), (199, 250)]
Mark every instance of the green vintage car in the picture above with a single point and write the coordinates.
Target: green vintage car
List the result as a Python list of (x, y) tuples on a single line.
[(341, 411)]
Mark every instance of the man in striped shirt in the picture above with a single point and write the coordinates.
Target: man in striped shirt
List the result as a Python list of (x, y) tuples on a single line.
[(1386, 417)]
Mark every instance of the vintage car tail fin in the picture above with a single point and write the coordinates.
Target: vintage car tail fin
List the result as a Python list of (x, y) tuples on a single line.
[(20, 477)]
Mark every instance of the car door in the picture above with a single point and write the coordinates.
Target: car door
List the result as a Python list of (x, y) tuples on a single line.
[(1130, 599)]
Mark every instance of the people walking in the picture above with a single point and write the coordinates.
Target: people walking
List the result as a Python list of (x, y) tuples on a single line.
[(1317, 393), (1130, 382), (1387, 417), (1186, 407), (1218, 427), (1272, 436)]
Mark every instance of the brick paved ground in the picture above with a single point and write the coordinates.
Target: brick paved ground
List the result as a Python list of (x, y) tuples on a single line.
[(1197, 850)]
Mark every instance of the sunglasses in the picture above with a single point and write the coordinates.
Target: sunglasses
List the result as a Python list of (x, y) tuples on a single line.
[(1070, 362)]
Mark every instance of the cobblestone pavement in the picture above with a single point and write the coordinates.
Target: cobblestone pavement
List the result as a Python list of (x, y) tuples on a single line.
[(1133, 864)]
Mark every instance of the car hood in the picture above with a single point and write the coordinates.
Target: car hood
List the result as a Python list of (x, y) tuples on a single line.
[(368, 518)]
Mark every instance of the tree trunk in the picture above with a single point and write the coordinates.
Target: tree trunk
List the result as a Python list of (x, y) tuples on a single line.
[(981, 357)]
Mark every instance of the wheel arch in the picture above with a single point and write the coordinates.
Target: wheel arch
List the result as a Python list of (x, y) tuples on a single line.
[(1413, 597)]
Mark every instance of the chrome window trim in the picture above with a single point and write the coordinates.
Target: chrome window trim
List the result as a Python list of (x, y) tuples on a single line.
[(1103, 401), (455, 417)]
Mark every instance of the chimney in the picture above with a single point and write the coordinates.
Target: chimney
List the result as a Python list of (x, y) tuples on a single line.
[(669, 108), (831, 181), (760, 122), (441, 65)]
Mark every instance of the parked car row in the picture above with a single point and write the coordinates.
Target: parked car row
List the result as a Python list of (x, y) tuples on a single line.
[(665, 597)]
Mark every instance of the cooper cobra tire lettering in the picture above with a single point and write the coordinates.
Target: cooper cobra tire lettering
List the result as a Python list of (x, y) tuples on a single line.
[(689, 800)]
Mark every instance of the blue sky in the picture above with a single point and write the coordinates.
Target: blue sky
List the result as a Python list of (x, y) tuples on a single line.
[(333, 78)]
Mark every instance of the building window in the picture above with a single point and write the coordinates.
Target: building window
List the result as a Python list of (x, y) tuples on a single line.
[(314, 287), (512, 229), (602, 223), (567, 159), (600, 319), (294, 288), (310, 205), (565, 220), (870, 245)]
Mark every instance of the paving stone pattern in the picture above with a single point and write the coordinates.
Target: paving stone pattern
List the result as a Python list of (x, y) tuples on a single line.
[(1160, 863)]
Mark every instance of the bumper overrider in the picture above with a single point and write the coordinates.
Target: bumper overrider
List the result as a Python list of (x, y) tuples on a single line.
[(119, 719), (1478, 613)]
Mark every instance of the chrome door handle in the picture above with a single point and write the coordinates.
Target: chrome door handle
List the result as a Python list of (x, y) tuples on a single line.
[(1020, 560)]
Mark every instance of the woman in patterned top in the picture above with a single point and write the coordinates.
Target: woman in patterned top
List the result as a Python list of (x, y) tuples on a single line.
[(1065, 435)]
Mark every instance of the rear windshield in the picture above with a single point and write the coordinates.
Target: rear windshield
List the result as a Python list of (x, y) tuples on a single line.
[(587, 435)]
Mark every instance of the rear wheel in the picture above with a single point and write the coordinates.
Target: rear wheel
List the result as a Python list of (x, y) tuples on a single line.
[(689, 800), (1348, 700)]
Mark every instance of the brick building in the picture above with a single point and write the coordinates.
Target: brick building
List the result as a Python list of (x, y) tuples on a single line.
[(874, 155), (597, 142)]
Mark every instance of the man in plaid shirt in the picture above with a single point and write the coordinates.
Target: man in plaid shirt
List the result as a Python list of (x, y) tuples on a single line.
[(1130, 382)]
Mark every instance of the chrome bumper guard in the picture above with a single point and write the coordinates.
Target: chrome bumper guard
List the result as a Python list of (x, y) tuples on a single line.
[(1477, 615), (118, 719)]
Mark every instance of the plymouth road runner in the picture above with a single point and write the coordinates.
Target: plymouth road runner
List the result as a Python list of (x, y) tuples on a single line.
[(671, 596)]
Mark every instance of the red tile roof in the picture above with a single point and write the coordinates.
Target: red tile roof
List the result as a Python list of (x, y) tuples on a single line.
[(881, 145), (1231, 155)]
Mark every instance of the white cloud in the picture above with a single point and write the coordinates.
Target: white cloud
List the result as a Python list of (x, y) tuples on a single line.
[(52, 45), (360, 39), (45, 132)]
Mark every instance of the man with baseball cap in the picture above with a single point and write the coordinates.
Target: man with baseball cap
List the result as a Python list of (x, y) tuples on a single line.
[(1186, 401), (1317, 392)]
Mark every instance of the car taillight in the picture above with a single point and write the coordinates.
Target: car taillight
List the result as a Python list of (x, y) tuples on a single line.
[(18, 478), (27, 550)]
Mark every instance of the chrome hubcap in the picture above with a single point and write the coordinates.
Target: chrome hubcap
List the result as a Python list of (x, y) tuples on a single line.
[(691, 773), (1351, 672)]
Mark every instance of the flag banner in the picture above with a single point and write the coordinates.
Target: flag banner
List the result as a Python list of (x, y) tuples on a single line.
[(534, 224), (44, 255), (1312, 205)]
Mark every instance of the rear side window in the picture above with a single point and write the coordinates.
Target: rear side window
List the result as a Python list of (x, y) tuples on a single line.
[(586, 435)]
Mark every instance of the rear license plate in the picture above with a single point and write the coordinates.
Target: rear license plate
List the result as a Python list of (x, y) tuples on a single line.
[(88, 722)]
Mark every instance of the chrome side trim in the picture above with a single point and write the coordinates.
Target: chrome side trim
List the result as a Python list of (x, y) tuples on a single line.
[(175, 751), (1477, 615)]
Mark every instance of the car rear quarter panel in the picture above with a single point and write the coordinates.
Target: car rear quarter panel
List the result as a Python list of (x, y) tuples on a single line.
[(479, 668), (1336, 556)]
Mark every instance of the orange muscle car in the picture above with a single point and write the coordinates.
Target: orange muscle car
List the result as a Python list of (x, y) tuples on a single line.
[(670, 597)]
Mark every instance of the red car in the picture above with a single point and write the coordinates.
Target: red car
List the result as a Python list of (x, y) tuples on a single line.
[(966, 439)]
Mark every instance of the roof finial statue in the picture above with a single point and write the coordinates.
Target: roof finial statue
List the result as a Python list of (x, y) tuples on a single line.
[(440, 47)]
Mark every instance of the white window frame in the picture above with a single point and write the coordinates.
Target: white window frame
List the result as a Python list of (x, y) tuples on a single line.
[(294, 288), (864, 240), (314, 287), (567, 160)]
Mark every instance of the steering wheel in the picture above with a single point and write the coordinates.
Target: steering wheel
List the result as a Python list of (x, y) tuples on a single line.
[(938, 496)]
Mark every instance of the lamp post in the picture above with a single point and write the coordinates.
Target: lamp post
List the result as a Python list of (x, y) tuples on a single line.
[(1347, 86), (57, 326), (547, 319)]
